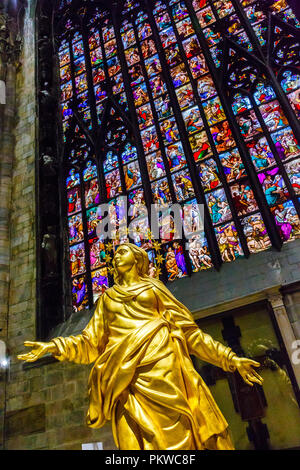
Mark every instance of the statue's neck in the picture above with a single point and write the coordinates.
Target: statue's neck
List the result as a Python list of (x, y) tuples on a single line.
[(129, 278)]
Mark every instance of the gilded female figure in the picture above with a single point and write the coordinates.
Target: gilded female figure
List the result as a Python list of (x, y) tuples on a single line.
[(143, 380)]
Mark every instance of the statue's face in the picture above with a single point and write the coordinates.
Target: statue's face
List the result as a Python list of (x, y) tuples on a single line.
[(124, 259)]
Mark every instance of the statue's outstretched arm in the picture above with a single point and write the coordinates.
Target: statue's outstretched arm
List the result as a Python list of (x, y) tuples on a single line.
[(82, 349), (38, 350), (206, 348)]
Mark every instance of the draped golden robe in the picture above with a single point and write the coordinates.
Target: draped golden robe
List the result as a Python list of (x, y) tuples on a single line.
[(143, 378)]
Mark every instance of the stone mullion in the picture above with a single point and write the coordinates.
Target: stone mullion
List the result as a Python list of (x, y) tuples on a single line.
[(7, 121), (63, 211), (49, 277)]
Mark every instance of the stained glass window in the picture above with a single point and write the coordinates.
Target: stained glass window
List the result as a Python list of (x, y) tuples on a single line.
[(178, 102)]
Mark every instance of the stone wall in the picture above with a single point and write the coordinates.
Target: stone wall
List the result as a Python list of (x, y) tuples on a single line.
[(45, 406), (7, 123), (6, 159), (46, 403)]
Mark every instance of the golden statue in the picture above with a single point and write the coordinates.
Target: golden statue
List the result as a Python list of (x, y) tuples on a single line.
[(140, 339)]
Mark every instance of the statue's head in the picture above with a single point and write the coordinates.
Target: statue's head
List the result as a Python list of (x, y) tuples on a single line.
[(127, 257)]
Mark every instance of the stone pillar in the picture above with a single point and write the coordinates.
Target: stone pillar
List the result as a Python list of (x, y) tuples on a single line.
[(286, 330), (10, 45)]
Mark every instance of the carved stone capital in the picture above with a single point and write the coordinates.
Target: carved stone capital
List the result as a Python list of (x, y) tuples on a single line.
[(10, 42), (276, 300)]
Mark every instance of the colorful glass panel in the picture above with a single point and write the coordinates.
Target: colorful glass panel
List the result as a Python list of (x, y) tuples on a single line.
[(167, 67)]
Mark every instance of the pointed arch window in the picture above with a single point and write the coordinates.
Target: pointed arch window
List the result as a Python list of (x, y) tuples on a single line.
[(187, 102)]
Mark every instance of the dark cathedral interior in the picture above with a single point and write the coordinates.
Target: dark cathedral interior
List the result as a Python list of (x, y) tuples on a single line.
[(108, 108)]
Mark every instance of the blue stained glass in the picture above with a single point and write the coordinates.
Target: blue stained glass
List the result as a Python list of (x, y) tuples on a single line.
[(73, 179), (218, 206), (90, 171), (113, 66), (163, 20), (290, 80), (263, 93), (206, 87), (179, 11), (241, 103), (169, 130), (111, 162), (79, 294), (216, 53), (144, 30), (66, 110), (254, 14), (176, 157), (243, 40), (183, 185), (78, 49), (129, 153), (100, 94), (193, 120), (209, 174), (159, 6), (132, 175), (141, 16), (212, 37), (261, 31)]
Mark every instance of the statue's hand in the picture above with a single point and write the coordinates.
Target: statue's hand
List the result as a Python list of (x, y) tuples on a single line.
[(38, 350), (245, 368)]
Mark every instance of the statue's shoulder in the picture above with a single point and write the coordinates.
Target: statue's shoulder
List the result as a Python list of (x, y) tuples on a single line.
[(103, 297), (158, 285), (108, 293)]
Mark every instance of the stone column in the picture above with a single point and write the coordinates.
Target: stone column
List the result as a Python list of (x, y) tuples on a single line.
[(286, 330), (10, 46)]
